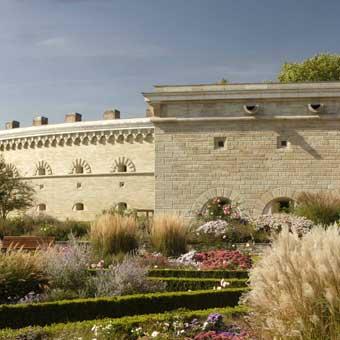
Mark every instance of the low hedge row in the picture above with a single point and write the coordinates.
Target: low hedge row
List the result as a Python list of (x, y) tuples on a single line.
[(219, 274), (73, 329), (183, 284), (22, 315)]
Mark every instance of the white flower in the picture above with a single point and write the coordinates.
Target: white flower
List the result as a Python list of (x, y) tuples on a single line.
[(154, 334)]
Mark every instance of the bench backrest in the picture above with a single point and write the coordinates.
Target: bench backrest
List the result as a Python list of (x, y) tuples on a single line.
[(27, 242)]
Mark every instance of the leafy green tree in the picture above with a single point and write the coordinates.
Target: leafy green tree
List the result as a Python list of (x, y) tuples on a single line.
[(15, 194), (321, 67)]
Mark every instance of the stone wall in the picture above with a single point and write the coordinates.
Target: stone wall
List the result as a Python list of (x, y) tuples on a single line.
[(103, 151)]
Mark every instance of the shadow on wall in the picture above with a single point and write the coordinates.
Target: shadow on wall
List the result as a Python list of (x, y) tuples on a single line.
[(296, 139)]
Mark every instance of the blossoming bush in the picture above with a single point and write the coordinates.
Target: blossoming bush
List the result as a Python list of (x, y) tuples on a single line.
[(273, 224), (295, 286), (223, 259), (67, 269), (127, 277), (221, 208)]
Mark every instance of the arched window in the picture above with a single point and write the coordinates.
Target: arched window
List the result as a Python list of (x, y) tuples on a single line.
[(79, 169), (279, 205), (122, 168), (123, 164), (121, 206), (80, 166), (42, 168), (79, 206), (42, 207)]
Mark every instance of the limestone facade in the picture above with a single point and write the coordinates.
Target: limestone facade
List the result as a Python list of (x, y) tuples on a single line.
[(258, 144), (80, 168)]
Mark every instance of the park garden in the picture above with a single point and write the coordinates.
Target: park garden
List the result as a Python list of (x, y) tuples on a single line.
[(224, 275)]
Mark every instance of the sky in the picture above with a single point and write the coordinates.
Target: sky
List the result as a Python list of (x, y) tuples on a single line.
[(87, 56)]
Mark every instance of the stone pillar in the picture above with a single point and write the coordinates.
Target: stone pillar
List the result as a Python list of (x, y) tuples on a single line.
[(111, 114), (73, 117), (13, 124), (40, 120)]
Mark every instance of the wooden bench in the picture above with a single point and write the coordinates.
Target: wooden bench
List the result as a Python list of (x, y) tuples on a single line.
[(26, 242)]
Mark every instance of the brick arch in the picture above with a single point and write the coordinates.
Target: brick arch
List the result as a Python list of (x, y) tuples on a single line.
[(270, 195), (211, 193)]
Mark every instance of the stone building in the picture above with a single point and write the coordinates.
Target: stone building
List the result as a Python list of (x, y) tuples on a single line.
[(258, 144)]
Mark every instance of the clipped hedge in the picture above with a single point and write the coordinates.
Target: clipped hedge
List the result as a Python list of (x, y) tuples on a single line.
[(183, 284), (22, 315), (73, 329), (219, 274)]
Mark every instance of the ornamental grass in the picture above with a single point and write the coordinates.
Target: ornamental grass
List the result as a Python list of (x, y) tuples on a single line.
[(295, 287), (321, 207), (113, 234), (169, 234)]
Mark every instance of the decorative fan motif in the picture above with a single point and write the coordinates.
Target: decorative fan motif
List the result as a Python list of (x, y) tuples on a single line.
[(11, 167), (80, 166), (42, 169), (123, 164)]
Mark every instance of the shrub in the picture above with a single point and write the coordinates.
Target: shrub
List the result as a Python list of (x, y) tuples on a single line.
[(221, 208), (199, 273), (127, 277), (169, 234), (273, 224), (67, 268), (322, 207), (114, 234), (83, 329), (223, 259), (42, 225), (17, 316), (295, 286), (20, 273)]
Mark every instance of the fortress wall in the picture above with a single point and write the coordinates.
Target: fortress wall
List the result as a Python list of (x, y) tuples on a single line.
[(101, 184), (250, 168)]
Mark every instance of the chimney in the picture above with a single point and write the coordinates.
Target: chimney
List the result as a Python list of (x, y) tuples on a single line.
[(111, 114), (14, 124), (73, 117), (40, 120)]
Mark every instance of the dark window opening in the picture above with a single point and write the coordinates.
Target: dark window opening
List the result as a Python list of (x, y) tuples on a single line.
[(42, 207), (79, 206), (79, 169), (41, 172), (122, 168), (219, 142)]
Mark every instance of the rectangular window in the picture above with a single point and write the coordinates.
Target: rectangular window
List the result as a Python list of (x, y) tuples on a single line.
[(282, 142), (219, 142)]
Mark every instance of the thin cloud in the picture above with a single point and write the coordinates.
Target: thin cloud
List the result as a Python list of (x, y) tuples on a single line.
[(52, 42)]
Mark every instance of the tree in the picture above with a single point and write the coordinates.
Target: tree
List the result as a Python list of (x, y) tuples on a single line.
[(321, 67), (15, 194)]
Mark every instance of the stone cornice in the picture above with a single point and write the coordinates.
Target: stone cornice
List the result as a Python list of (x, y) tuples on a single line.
[(163, 94), (98, 132)]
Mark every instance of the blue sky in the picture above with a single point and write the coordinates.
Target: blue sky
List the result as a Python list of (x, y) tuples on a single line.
[(60, 56)]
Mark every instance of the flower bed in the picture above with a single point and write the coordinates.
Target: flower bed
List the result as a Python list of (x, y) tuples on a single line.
[(223, 259), (117, 327)]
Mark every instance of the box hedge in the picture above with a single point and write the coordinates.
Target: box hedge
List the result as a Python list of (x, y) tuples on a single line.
[(73, 329), (22, 315), (183, 284), (219, 274)]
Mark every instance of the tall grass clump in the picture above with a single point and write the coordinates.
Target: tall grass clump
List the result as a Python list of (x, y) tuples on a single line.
[(295, 287), (169, 234), (113, 234), (20, 273), (321, 207)]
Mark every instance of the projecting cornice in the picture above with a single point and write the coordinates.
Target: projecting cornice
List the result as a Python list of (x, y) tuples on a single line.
[(68, 134), (166, 93)]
